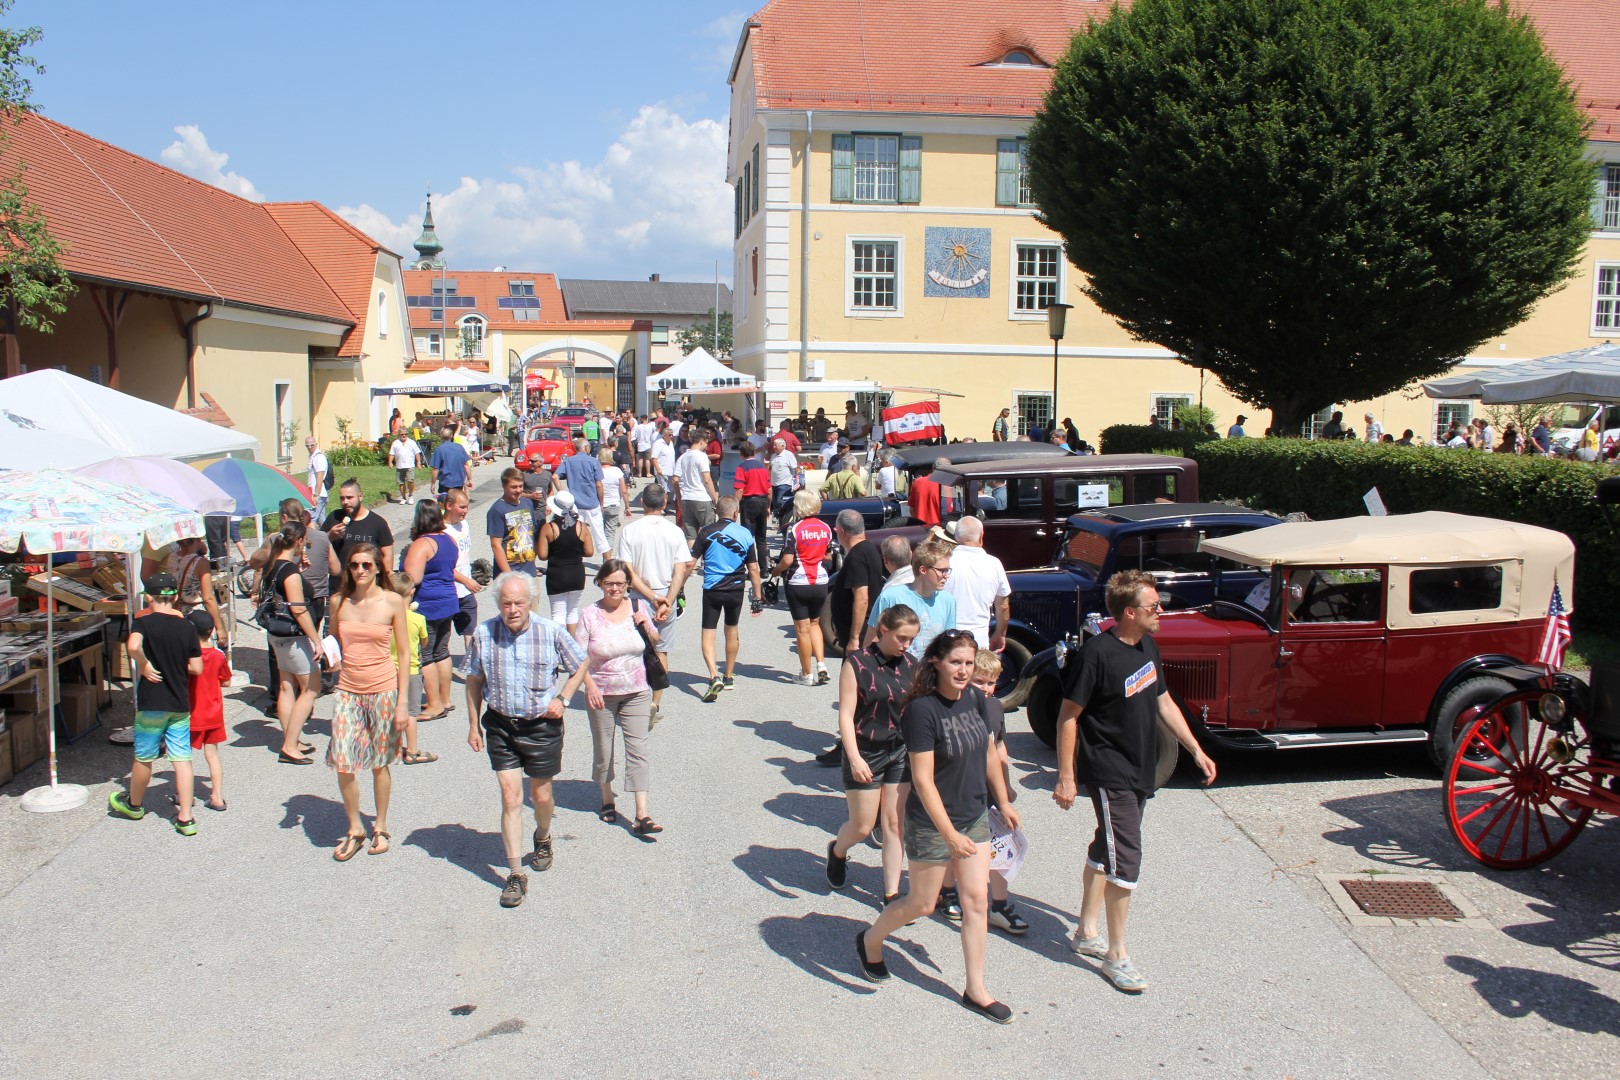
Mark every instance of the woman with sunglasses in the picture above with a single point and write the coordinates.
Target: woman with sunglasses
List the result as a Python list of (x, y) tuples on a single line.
[(430, 562), (368, 727), (871, 692), (616, 692), (297, 654), (954, 772)]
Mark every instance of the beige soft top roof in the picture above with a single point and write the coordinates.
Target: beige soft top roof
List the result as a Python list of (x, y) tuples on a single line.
[(1433, 537)]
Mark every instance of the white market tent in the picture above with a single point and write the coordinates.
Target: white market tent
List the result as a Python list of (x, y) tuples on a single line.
[(701, 373), (55, 408), (1591, 374), (27, 448), (451, 382)]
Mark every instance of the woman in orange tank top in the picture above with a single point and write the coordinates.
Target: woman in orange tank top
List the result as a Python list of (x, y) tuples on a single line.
[(368, 727)]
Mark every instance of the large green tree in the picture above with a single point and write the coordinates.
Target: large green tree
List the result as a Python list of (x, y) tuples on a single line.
[(701, 334), (1317, 200), (33, 285)]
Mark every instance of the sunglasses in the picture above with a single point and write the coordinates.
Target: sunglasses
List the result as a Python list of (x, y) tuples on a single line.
[(1159, 606), (362, 566)]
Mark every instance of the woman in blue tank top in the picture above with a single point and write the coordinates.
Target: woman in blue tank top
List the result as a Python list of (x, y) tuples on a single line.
[(430, 562)]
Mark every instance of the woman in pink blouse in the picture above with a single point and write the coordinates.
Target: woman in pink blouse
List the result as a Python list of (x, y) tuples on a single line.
[(616, 692)]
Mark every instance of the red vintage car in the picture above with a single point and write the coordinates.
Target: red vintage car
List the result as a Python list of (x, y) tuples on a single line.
[(545, 446), (1367, 630)]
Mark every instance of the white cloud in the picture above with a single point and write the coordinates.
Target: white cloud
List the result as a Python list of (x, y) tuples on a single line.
[(723, 33), (656, 202), (192, 155)]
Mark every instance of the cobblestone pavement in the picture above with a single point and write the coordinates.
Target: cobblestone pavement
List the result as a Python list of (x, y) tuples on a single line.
[(715, 950)]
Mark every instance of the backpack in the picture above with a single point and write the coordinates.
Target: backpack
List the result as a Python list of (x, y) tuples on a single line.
[(329, 481)]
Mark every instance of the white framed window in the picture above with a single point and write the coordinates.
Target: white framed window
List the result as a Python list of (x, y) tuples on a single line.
[(283, 415), (382, 314), (1032, 409), (1606, 201), (1012, 173), (660, 335), (1037, 278), (1447, 411), (877, 168), (1165, 406), (1606, 299), (1312, 427), (435, 344), (472, 329), (873, 268)]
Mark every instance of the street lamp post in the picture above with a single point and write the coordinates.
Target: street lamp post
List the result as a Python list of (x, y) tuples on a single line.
[(1057, 316)]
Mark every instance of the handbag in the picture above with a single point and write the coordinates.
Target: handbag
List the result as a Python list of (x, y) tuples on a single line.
[(657, 674), (273, 614)]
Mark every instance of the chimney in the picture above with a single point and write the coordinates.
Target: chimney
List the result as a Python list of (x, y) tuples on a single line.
[(654, 278)]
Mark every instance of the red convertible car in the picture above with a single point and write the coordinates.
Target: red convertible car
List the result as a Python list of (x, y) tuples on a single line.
[(544, 448)]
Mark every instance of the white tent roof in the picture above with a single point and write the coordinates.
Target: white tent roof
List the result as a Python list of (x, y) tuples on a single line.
[(26, 447), (700, 373), (1590, 374), (66, 406), (451, 382)]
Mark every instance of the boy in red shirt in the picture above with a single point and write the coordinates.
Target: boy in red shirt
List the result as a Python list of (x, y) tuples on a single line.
[(208, 705)]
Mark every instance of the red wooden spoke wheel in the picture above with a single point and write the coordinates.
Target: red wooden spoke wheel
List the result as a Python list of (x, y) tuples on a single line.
[(1514, 784)]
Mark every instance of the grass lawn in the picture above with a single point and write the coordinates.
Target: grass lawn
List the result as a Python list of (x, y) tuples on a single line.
[(376, 481), (1591, 647)]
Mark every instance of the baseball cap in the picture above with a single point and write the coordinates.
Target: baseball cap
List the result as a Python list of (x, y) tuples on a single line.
[(161, 583), (201, 621)]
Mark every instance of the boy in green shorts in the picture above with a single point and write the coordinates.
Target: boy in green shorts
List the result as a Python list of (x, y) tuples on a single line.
[(165, 653)]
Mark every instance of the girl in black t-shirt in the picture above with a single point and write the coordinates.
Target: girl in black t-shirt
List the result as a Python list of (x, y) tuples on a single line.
[(954, 771), (872, 691)]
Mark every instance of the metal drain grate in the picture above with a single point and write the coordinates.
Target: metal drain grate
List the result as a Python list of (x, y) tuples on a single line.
[(1400, 899)]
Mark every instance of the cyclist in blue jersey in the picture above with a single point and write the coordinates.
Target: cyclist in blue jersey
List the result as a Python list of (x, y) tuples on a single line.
[(730, 558)]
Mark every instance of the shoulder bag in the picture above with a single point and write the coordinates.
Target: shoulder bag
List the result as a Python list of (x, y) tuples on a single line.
[(657, 674), (273, 614)]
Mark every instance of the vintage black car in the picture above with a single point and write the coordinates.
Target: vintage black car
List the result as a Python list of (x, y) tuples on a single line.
[(917, 461)]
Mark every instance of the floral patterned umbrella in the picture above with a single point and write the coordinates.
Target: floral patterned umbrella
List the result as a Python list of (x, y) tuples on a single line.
[(53, 511)]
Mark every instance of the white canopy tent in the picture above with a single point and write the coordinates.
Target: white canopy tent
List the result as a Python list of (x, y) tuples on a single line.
[(700, 373), (27, 447), (1590, 374), (58, 408), (451, 382)]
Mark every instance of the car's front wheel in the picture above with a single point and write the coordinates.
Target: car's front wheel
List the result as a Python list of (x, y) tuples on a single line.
[(1042, 705), (1458, 709), (1013, 688)]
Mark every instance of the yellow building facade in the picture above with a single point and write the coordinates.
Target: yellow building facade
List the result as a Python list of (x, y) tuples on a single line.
[(884, 231)]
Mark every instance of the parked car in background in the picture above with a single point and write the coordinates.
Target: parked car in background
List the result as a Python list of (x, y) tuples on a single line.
[(917, 461), (1366, 630), (570, 417), (545, 445), (1571, 421), (1163, 539)]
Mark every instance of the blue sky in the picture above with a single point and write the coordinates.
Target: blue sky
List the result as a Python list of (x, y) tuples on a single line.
[(585, 139)]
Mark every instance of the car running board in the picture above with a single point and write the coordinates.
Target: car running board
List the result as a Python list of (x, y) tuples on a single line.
[(1295, 740)]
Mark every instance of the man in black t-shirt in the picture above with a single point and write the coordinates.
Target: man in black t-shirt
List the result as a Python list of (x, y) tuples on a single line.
[(164, 651), (1108, 728), (354, 524)]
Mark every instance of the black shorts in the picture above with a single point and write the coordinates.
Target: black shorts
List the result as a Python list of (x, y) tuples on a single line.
[(467, 618), (535, 746), (806, 601), (1116, 849), (437, 647), (888, 761), (729, 601)]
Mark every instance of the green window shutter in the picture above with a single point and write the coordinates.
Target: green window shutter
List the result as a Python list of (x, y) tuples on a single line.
[(843, 175), (747, 191), (758, 178), (1006, 172), (910, 169), (736, 223)]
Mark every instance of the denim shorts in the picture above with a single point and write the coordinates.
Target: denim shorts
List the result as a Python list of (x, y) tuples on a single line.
[(159, 732)]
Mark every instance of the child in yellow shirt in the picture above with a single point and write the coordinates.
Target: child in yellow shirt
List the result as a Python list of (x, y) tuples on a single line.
[(416, 627)]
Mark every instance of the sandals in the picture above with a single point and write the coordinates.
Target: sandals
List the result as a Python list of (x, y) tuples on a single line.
[(421, 757), (387, 844), (609, 813), (646, 826), (348, 847)]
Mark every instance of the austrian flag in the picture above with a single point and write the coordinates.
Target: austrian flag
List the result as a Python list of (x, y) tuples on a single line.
[(912, 423)]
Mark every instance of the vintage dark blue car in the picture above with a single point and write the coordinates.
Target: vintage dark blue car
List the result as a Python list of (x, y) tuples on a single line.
[(1164, 539)]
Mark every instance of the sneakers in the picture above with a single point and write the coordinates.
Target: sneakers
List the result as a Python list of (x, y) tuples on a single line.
[(712, 694), (1123, 974), (1007, 918), (823, 677), (540, 858), (837, 866), (1095, 946), (806, 680), (730, 683), (120, 806), (517, 887), (950, 905), (185, 828), (654, 717)]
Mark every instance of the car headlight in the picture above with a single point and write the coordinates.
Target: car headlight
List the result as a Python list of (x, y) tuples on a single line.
[(1552, 708)]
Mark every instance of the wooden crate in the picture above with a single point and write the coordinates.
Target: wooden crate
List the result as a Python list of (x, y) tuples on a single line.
[(7, 770), (28, 744)]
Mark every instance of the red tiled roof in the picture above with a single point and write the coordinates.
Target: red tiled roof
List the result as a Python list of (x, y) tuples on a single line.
[(344, 257), (128, 220), (909, 56), (485, 287)]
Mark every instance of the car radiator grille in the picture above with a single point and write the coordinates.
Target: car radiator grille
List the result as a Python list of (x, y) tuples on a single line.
[(1191, 680), (1051, 616)]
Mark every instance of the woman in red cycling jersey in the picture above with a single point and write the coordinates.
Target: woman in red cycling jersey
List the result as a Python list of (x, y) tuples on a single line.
[(803, 567)]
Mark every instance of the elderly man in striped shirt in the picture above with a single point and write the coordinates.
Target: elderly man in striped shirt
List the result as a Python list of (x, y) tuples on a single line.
[(511, 668)]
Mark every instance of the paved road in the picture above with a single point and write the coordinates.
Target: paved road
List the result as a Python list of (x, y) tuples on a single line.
[(715, 951)]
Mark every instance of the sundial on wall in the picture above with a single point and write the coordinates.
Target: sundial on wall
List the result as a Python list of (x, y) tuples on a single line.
[(956, 262)]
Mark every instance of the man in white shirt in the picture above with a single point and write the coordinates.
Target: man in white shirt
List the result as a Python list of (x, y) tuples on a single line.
[(404, 455), (694, 486), (1375, 430), (886, 476), (784, 477), (855, 428), (760, 439), (317, 477), (979, 583), (663, 458), (642, 436), (660, 559)]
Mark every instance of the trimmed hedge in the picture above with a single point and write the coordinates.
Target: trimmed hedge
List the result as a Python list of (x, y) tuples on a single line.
[(1149, 439), (1328, 480)]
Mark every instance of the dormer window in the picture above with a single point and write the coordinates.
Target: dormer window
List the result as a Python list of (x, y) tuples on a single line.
[(1016, 58)]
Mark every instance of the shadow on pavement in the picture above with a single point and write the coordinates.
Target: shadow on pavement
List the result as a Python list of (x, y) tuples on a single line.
[(788, 734), (827, 812), (823, 945), (809, 774), (1591, 940), (476, 852), (786, 872), (1516, 992), (322, 820)]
